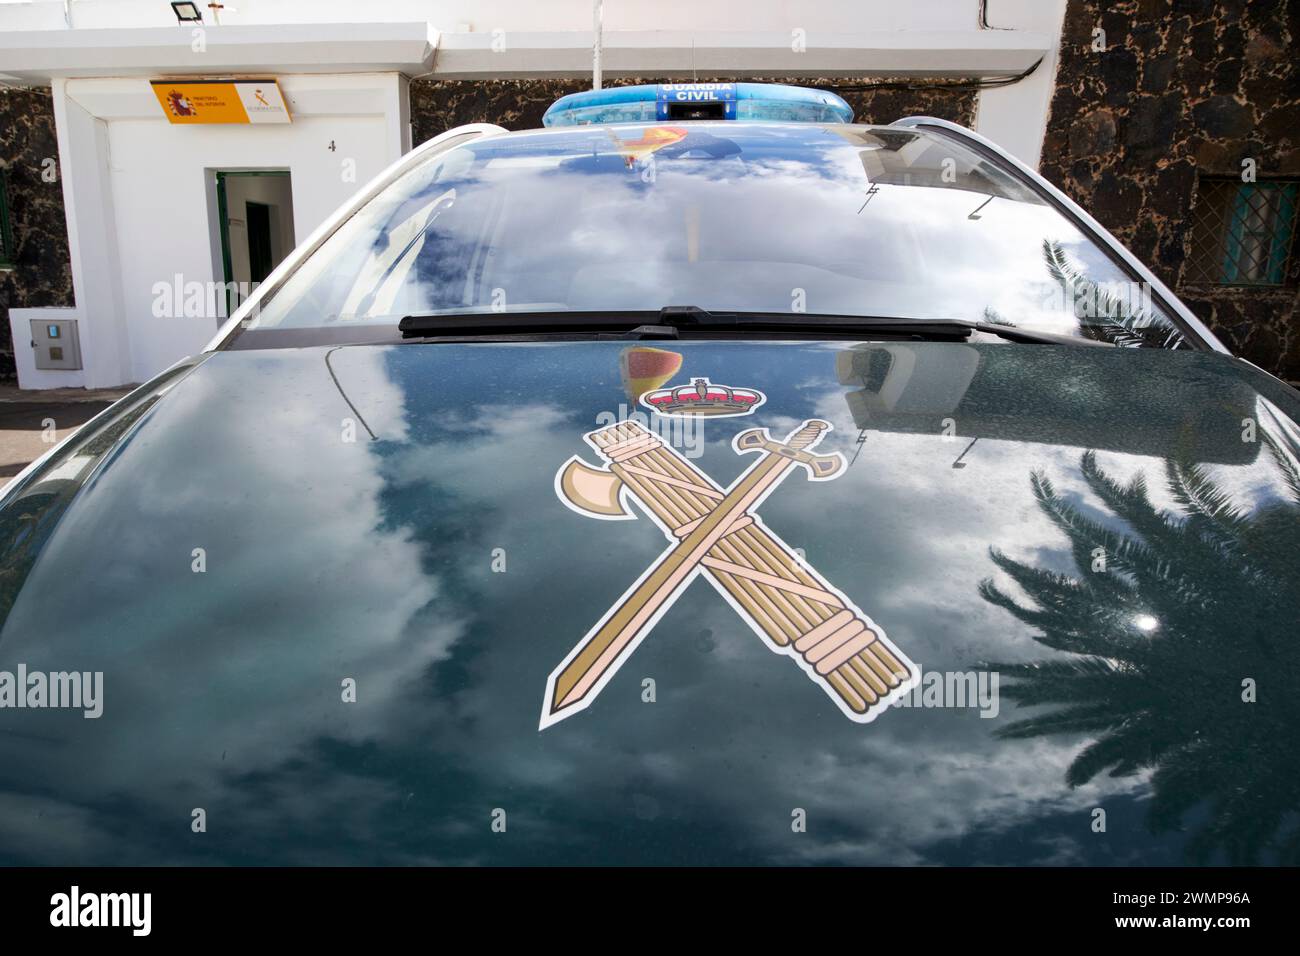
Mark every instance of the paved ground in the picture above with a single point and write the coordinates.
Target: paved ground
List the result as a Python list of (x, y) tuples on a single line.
[(24, 417)]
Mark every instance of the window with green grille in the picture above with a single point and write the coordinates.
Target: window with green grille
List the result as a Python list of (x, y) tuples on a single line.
[(1242, 233), (6, 235)]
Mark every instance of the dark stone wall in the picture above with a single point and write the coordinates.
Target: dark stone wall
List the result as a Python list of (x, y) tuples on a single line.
[(438, 105), (42, 275), (1183, 88)]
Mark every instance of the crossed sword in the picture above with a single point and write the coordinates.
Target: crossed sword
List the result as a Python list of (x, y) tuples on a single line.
[(716, 532)]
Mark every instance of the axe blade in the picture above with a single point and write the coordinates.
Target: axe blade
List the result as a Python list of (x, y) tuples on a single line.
[(593, 491)]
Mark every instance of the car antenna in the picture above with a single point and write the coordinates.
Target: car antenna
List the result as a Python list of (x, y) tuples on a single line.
[(335, 379)]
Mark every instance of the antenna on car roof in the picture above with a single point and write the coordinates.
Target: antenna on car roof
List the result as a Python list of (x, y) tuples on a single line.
[(597, 26)]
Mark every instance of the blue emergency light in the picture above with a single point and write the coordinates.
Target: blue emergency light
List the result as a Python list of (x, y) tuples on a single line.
[(664, 102)]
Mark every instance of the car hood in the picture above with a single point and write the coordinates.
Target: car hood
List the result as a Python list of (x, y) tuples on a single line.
[(326, 589)]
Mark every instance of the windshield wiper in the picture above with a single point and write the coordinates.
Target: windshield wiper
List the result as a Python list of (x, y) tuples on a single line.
[(693, 317), (469, 324), (672, 322)]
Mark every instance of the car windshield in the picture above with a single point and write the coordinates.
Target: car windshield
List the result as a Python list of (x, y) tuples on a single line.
[(730, 217)]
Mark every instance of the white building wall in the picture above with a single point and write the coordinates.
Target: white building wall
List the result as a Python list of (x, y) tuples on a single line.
[(140, 202), (162, 209), (1015, 117)]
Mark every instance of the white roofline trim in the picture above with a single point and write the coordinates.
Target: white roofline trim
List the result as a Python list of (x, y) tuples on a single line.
[(418, 48), (41, 55), (676, 54)]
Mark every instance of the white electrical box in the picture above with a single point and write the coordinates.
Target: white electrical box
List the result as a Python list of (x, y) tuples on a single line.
[(56, 344)]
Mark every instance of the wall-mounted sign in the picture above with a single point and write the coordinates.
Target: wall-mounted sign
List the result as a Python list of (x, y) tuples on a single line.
[(221, 101)]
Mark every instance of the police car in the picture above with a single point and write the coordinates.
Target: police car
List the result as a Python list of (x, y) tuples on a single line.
[(701, 478)]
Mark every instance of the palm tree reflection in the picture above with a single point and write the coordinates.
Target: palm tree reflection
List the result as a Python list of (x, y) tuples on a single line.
[(1106, 314), (1187, 608)]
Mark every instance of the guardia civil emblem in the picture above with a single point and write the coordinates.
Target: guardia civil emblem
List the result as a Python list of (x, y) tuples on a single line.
[(716, 533)]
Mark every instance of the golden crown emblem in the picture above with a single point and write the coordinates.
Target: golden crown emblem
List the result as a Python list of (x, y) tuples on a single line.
[(702, 397)]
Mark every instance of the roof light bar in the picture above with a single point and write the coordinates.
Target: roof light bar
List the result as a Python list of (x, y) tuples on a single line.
[(665, 102)]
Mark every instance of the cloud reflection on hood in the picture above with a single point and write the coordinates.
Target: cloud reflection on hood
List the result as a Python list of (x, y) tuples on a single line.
[(374, 560)]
